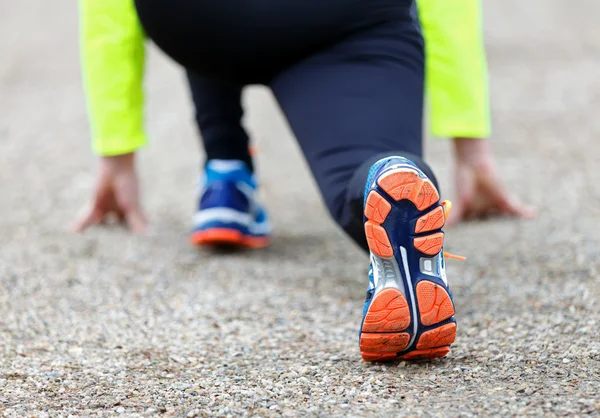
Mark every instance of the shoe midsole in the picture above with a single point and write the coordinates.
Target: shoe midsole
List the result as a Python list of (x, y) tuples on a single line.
[(231, 216)]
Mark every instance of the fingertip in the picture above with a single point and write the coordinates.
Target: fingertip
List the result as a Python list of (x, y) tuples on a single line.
[(140, 230), (529, 212), (521, 210), (94, 217), (78, 226)]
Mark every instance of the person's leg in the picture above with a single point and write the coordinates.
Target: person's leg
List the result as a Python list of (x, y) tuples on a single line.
[(356, 109), (219, 112), (353, 104), (229, 211)]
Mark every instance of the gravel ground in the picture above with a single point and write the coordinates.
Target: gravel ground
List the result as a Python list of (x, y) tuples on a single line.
[(109, 324)]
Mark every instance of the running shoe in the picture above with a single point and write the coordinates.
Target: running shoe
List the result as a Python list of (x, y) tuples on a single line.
[(229, 212), (409, 312)]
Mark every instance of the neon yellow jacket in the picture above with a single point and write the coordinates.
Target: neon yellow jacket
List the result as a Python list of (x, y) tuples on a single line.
[(456, 76), (112, 45), (112, 59)]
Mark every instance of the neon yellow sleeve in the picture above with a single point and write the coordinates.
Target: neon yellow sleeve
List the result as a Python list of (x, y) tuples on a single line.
[(456, 68), (112, 63)]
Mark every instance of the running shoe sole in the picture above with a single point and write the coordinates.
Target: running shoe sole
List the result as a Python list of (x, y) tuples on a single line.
[(411, 313), (227, 237)]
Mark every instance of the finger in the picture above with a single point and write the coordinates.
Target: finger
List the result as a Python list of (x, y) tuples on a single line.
[(528, 211), (508, 205), (92, 217), (136, 221), (504, 203), (127, 199), (109, 201), (516, 208), (131, 213)]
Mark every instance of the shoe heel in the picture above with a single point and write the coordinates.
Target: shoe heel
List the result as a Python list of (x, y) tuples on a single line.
[(387, 316)]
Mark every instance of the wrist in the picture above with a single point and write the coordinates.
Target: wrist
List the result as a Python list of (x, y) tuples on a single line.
[(118, 161), (472, 150)]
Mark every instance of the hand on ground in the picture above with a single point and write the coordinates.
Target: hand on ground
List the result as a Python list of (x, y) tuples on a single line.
[(480, 192), (116, 194)]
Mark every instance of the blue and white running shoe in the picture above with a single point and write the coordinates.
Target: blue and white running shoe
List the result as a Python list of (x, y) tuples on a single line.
[(409, 313), (229, 213)]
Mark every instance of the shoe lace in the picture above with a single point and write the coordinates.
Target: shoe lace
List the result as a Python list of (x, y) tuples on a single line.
[(447, 205)]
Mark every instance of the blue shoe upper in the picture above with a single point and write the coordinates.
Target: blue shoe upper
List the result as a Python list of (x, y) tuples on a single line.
[(223, 183), (229, 200)]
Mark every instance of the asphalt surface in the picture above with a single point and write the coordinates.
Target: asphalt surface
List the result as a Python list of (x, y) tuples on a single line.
[(106, 323)]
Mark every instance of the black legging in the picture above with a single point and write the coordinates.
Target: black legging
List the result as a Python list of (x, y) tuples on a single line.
[(348, 74), (219, 113)]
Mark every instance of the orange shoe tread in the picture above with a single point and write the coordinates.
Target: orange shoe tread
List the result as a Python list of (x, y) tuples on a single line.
[(430, 244), (377, 208), (388, 312), (378, 240), (426, 354), (430, 221), (383, 343), (405, 183), (379, 357), (444, 335), (434, 302)]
